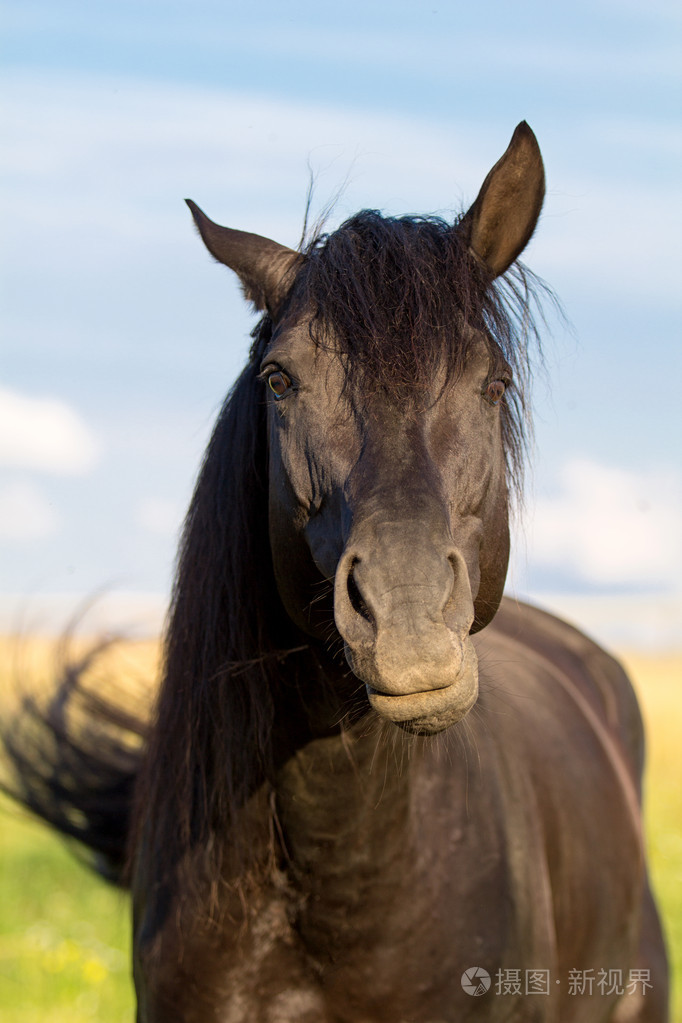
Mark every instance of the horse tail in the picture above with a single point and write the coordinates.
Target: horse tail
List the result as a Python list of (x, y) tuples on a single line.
[(73, 759)]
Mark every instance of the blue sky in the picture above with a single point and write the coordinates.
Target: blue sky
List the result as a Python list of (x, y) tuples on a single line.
[(119, 336)]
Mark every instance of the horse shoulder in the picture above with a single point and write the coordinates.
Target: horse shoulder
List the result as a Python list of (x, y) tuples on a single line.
[(594, 675)]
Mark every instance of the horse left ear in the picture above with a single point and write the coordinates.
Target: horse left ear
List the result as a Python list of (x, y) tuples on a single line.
[(265, 268), (500, 223)]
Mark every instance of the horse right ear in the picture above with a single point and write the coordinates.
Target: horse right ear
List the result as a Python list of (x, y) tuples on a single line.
[(500, 223), (265, 268)]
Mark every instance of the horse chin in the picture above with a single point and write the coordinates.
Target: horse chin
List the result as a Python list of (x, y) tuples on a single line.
[(433, 724), (432, 711)]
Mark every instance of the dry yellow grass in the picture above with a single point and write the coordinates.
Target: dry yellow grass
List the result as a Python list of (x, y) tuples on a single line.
[(658, 681), (32, 662)]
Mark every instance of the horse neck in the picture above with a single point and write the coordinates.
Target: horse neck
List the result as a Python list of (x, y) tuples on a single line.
[(345, 798), (352, 848)]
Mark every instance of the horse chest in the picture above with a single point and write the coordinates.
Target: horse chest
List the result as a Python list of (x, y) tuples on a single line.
[(377, 852)]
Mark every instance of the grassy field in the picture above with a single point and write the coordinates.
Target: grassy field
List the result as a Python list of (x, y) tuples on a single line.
[(64, 935), (658, 681)]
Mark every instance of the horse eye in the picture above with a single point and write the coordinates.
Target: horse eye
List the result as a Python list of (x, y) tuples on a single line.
[(494, 392), (279, 383)]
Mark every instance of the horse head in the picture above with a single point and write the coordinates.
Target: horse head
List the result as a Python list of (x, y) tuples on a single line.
[(386, 414)]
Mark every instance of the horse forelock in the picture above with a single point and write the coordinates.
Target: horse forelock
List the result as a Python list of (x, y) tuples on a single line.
[(397, 298)]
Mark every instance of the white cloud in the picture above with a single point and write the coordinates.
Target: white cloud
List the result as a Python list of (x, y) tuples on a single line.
[(611, 526), (44, 434), (25, 513), (160, 517)]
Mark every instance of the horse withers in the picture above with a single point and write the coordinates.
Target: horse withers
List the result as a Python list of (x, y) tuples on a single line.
[(374, 790)]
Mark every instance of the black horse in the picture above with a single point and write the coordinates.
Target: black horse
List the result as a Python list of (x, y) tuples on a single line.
[(361, 798)]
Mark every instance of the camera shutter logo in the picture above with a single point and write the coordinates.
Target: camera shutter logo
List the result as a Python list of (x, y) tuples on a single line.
[(475, 981)]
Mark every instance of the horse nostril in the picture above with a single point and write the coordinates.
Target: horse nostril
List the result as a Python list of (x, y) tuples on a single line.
[(357, 601), (450, 603)]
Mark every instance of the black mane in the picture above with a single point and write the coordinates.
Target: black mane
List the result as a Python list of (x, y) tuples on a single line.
[(222, 645)]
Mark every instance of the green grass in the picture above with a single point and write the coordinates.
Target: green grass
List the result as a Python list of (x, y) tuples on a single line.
[(65, 935)]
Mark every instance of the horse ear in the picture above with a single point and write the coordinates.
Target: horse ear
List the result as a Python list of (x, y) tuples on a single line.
[(265, 268), (502, 219)]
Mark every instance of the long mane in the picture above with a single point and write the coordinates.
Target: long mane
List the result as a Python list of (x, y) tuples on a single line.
[(227, 634)]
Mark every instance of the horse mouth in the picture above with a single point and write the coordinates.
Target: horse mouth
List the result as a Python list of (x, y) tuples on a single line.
[(433, 710), (425, 713)]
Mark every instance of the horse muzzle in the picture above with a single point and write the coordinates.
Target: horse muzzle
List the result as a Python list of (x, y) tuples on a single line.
[(432, 710), (408, 638)]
